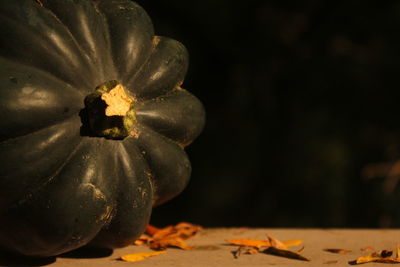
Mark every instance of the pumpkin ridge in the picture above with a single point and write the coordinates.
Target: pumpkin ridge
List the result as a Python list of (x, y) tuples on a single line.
[(44, 72), (31, 31), (180, 108), (179, 157), (51, 177), (142, 157), (124, 74), (108, 37), (80, 47), (38, 130), (163, 70), (154, 42), (81, 50)]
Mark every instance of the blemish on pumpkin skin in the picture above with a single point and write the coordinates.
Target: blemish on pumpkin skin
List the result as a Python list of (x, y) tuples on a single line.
[(97, 194), (106, 215)]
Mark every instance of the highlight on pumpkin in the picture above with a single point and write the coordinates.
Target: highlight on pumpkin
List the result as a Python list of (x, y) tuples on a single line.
[(110, 111), (117, 100)]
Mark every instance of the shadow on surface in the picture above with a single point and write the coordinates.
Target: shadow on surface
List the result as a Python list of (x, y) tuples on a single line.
[(12, 260), (87, 253)]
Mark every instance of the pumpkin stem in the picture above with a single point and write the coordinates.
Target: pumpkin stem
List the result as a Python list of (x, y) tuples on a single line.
[(110, 111)]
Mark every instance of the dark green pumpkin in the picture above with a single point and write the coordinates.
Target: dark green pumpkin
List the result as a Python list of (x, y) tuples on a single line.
[(63, 183)]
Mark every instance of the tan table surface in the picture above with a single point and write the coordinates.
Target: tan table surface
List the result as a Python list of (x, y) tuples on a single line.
[(213, 251)]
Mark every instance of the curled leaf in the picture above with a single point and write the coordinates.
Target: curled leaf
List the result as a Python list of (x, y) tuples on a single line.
[(276, 243)]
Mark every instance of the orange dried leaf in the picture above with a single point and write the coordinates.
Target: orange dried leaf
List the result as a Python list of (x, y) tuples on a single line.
[(163, 232), (143, 240), (139, 256), (169, 236), (337, 250), (285, 253), (151, 230)]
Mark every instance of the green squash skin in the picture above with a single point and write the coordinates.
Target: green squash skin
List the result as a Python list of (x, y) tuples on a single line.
[(61, 189)]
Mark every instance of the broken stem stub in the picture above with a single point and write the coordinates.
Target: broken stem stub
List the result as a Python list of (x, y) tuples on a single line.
[(109, 111)]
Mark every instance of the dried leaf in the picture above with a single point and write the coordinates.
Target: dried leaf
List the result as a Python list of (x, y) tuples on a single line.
[(337, 250), (249, 242), (382, 253), (162, 233), (151, 230), (382, 256), (260, 243), (285, 253), (170, 236), (276, 243), (236, 253), (139, 256), (142, 240), (398, 251), (370, 258), (245, 250)]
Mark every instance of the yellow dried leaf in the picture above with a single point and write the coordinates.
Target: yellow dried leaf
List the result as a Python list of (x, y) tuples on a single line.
[(337, 250), (398, 251), (139, 256)]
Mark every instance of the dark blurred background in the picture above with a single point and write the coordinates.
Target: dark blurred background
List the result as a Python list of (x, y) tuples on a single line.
[(302, 101)]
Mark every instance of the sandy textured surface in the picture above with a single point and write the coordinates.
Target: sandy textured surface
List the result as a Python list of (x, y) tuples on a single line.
[(212, 250)]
